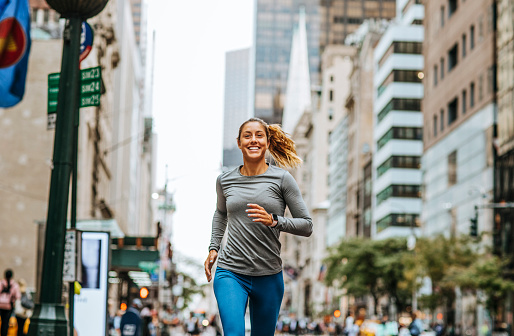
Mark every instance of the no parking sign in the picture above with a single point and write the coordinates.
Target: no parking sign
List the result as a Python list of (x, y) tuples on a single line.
[(86, 41)]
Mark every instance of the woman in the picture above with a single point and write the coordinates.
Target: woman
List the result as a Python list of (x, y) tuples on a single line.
[(23, 307), (9, 294), (251, 202)]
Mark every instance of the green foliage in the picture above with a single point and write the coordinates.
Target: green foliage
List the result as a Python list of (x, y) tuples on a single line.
[(387, 267), (486, 274), (374, 267)]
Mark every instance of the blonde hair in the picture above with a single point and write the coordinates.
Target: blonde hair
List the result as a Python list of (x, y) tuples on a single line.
[(282, 148)]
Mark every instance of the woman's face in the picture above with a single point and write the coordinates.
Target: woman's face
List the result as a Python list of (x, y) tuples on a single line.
[(253, 141)]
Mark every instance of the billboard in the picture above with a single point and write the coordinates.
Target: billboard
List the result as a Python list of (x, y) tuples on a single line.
[(90, 307)]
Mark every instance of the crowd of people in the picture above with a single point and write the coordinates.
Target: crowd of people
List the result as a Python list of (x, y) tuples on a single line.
[(144, 320)]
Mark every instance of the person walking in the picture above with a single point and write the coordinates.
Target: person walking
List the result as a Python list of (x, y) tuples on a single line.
[(9, 294), (130, 323), (23, 307), (251, 201)]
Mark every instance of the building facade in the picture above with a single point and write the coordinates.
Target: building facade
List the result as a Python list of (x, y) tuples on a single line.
[(327, 21), (235, 103), (359, 108), (504, 164), (459, 110), (398, 124)]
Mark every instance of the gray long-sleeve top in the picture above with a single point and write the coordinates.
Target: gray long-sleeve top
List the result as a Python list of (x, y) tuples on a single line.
[(253, 248)]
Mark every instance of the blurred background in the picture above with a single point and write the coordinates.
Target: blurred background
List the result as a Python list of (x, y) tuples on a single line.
[(402, 111)]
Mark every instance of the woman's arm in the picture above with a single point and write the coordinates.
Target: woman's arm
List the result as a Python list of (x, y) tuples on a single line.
[(301, 223), (219, 225), (219, 220)]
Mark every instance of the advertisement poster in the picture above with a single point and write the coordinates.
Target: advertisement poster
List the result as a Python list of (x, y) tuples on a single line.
[(90, 311)]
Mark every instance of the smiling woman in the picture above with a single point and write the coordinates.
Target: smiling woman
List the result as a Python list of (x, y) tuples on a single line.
[(251, 203)]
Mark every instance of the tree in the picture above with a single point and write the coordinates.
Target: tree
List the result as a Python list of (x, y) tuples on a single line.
[(370, 267), (487, 274), (353, 265)]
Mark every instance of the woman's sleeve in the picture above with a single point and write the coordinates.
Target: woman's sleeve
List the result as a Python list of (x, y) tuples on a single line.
[(219, 220), (301, 223)]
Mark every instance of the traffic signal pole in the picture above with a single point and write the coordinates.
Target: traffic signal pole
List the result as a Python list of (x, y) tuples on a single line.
[(473, 232)]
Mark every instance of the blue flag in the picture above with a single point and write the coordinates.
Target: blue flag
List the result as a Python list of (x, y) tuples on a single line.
[(14, 50)]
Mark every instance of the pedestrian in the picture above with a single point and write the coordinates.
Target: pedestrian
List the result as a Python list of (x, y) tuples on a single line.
[(23, 307), (251, 201), (191, 325), (130, 323), (9, 294), (415, 327)]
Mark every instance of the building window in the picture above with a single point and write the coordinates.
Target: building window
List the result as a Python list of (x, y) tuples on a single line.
[(452, 57), (472, 95), (452, 111), (452, 7), (399, 190), (452, 168), (435, 75), (464, 101), (441, 120), (408, 162), (331, 78), (463, 45), (34, 15), (435, 125), (331, 95), (472, 37), (442, 16), (400, 104), (442, 68), (400, 133), (395, 219), (46, 16)]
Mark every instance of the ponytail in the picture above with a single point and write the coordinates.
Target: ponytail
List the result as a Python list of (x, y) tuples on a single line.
[(282, 148)]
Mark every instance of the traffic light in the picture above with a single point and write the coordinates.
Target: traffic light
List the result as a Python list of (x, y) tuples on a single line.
[(473, 226), (143, 292)]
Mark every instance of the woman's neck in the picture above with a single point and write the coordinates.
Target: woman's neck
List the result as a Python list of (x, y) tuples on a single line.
[(251, 169)]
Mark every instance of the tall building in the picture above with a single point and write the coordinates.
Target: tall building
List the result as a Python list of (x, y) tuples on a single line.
[(359, 108), (459, 109), (327, 22), (236, 103), (398, 124), (504, 176)]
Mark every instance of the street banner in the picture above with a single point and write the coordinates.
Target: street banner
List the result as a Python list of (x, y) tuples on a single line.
[(14, 50)]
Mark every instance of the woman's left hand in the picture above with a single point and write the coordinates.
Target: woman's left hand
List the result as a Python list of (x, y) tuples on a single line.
[(258, 214)]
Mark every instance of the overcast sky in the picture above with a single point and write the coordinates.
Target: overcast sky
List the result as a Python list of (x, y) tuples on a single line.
[(191, 40)]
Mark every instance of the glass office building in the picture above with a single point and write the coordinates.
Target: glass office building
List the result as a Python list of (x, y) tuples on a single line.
[(327, 22)]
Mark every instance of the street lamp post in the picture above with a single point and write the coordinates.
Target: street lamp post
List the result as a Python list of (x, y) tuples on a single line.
[(49, 316)]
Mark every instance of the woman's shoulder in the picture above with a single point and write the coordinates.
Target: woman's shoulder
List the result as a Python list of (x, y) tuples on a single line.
[(227, 175)]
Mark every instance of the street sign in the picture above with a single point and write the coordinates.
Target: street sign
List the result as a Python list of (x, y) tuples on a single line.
[(72, 263), (90, 91), (86, 41)]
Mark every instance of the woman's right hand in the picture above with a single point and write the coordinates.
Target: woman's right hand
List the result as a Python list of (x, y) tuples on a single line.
[(211, 259)]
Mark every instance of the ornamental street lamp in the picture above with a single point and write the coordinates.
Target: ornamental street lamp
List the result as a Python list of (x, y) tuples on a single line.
[(49, 315)]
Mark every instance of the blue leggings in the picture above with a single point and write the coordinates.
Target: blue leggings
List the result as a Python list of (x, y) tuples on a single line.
[(232, 292)]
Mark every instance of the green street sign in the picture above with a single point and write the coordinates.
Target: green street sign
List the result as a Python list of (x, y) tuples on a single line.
[(90, 88)]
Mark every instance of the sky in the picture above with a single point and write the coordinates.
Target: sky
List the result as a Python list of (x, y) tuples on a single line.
[(192, 38)]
